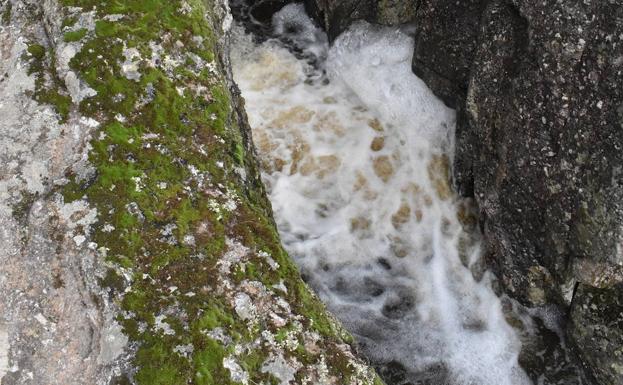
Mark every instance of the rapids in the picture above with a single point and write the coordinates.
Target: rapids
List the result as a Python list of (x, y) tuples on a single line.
[(356, 154)]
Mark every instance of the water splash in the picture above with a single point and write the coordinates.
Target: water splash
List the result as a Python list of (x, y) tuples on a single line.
[(355, 152)]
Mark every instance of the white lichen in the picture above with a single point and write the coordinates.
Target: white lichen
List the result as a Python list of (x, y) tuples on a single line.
[(130, 67), (236, 373), (282, 369), (163, 326)]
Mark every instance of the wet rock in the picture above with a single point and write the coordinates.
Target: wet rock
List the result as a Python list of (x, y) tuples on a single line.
[(358, 290), (596, 330), (544, 355), (394, 372), (542, 199), (335, 16), (445, 44), (542, 147), (399, 304), (537, 87)]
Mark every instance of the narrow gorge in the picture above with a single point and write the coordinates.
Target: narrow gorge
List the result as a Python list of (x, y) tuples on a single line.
[(312, 192)]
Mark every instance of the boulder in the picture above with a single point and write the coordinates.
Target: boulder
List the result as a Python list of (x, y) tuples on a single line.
[(138, 245)]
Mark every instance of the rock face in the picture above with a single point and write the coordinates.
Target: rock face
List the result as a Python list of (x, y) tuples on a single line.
[(539, 91), (546, 165), (596, 324), (540, 148), (137, 242), (336, 16)]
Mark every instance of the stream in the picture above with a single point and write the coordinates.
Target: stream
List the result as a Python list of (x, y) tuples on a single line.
[(356, 154)]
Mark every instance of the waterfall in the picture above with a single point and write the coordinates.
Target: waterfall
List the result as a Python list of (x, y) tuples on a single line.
[(356, 154)]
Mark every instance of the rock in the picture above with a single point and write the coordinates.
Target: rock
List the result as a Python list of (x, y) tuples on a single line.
[(542, 148), (537, 88), (596, 331), (445, 44), (547, 159), (336, 15), (138, 245)]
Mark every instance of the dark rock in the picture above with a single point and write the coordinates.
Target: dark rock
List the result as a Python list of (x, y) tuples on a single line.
[(355, 289), (337, 15), (398, 305), (446, 37), (544, 140), (539, 139), (539, 146), (394, 372), (544, 354), (597, 331), (384, 263), (256, 15)]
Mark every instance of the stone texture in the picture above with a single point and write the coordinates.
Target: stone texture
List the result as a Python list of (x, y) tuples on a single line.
[(542, 109), (540, 142), (596, 324), (445, 45), (336, 15), (538, 89), (53, 312), (138, 245)]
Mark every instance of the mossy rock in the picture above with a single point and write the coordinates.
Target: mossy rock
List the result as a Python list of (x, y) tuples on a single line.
[(207, 293)]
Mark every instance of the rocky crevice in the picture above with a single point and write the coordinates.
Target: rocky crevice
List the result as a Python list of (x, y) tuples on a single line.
[(537, 88)]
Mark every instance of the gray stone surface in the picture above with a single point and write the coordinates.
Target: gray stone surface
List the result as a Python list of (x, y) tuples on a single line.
[(56, 325)]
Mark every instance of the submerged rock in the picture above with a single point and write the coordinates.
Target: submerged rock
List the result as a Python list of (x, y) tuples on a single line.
[(138, 246)]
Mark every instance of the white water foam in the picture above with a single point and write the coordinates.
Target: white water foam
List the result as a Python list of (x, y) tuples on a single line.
[(357, 169)]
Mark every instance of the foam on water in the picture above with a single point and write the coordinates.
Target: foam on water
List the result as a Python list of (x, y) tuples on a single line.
[(357, 167)]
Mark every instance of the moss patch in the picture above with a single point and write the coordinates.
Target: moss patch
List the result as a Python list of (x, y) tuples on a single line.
[(170, 196), (48, 88), (6, 14), (22, 208), (72, 36)]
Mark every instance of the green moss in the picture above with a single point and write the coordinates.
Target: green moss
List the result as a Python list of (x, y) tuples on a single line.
[(239, 154), (165, 156), (113, 280), (158, 364), (72, 36), (6, 14), (22, 208), (69, 22), (62, 103), (37, 51), (208, 365), (48, 87)]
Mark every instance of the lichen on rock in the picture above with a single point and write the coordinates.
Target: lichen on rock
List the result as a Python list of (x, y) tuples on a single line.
[(132, 184)]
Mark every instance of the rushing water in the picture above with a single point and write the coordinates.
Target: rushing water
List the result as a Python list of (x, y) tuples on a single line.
[(355, 152)]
